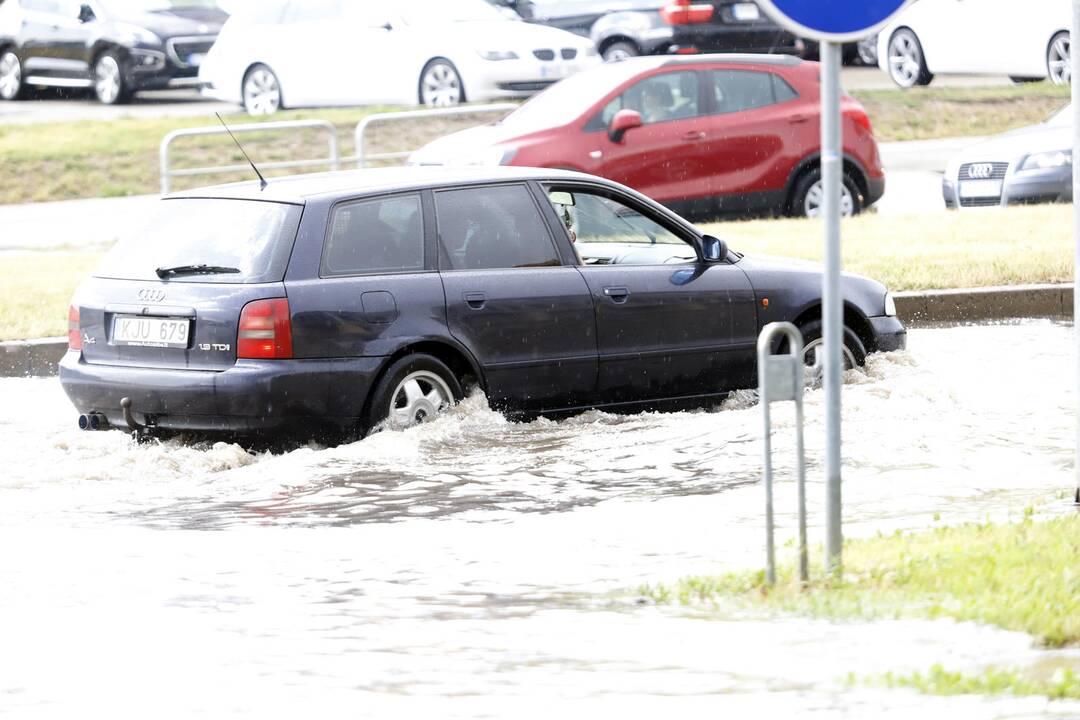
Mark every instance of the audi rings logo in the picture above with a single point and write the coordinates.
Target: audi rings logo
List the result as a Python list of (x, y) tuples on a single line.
[(151, 295), (980, 171)]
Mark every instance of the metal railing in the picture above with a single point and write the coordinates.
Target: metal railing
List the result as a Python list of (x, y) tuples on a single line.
[(780, 378), (168, 173), (363, 158)]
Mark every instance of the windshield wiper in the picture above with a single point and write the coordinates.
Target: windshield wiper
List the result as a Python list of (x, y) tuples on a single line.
[(195, 270)]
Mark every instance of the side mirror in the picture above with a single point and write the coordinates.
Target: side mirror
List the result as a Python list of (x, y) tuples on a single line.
[(86, 14), (624, 120), (714, 249)]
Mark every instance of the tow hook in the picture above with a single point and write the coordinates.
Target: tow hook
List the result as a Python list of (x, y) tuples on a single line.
[(93, 421), (139, 432)]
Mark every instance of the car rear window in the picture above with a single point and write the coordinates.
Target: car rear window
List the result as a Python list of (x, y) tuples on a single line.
[(253, 237)]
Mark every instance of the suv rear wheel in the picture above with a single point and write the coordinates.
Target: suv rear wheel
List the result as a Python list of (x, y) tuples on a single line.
[(11, 86), (415, 389), (620, 51)]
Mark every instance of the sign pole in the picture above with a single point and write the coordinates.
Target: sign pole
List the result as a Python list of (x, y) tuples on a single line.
[(1074, 59), (832, 301)]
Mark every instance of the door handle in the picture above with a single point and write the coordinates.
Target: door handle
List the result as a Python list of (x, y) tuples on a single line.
[(693, 136), (617, 294), (475, 300), (799, 119)]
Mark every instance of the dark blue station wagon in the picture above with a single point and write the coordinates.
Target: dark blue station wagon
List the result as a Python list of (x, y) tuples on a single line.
[(342, 302)]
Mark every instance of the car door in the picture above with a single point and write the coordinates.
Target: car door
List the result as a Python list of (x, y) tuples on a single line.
[(669, 325), (514, 299), (40, 35), (753, 134), (663, 158)]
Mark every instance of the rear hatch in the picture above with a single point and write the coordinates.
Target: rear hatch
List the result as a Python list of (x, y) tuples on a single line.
[(171, 295)]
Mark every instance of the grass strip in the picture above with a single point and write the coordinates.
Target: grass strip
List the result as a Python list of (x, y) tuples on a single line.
[(1062, 684), (1018, 576), (946, 250), (67, 160)]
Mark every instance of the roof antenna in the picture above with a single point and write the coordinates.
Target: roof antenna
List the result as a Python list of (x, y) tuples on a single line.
[(262, 180)]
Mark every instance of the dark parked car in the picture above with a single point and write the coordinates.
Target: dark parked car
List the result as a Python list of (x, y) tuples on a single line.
[(116, 47), (627, 28), (706, 135), (341, 300)]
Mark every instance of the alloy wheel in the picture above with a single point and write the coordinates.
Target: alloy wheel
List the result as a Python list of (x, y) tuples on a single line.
[(440, 86), (815, 200), (10, 76), (107, 80), (905, 59), (814, 359), (419, 397), (1059, 60), (262, 94), (617, 53), (867, 49)]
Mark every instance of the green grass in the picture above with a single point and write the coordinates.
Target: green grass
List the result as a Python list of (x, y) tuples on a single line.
[(1020, 576), (943, 250), (931, 112), (35, 289), (1016, 245), (66, 160), (1062, 684)]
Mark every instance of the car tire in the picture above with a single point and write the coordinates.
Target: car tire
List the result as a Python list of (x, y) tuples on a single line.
[(11, 84), (413, 389), (621, 50), (853, 349), (440, 84), (261, 91), (867, 51), (1059, 59), (110, 87), (907, 63), (808, 195)]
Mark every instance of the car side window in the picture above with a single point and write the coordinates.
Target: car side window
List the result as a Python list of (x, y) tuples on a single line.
[(490, 228), (313, 10), (659, 98), (738, 90), (370, 236), (596, 223)]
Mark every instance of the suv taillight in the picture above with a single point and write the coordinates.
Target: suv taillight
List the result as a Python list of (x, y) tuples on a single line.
[(686, 12), (265, 331), (859, 117), (74, 332)]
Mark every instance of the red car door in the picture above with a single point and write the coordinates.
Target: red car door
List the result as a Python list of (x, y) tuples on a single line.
[(758, 131), (664, 158)]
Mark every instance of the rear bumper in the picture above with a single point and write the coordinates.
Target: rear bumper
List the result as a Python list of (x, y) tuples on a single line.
[(717, 38), (252, 397), (888, 334), (875, 189)]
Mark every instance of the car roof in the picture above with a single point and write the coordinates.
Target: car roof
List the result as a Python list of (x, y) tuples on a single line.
[(299, 189)]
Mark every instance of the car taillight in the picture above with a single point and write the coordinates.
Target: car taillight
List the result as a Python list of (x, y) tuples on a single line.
[(686, 12), (265, 331), (74, 332), (860, 118)]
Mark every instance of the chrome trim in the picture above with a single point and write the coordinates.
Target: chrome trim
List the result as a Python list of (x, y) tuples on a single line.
[(57, 82), (192, 82), (170, 46)]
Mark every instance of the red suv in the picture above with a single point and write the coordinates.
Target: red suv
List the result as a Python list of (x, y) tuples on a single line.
[(704, 135)]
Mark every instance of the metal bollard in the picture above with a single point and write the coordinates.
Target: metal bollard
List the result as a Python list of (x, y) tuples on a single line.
[(780, 378)]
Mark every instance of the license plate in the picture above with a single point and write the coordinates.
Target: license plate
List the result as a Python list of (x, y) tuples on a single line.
[(150, 332), (980, 189), (745, 12)]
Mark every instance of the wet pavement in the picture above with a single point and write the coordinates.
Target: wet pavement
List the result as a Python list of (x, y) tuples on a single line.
[(475, 567)]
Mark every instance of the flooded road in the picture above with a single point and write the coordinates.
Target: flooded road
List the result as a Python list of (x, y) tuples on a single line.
[(475, 567)]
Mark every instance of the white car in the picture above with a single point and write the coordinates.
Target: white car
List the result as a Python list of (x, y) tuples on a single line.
[(1024, 40), (312, 53)]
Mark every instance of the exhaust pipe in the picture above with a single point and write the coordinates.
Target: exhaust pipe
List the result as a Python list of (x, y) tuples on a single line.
[(93, 421)]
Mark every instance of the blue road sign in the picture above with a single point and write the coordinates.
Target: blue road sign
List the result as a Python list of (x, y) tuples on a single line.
[(838, 20)]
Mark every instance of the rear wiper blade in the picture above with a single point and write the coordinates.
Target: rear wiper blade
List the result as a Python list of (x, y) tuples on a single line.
[(195, 270)]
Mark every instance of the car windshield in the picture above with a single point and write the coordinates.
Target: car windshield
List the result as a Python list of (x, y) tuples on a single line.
[(133, 7), (568, 99), (434, 12), (1062, 118), (252, 237)]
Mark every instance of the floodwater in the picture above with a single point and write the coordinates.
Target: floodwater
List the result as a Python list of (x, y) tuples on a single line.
[(474, 567)]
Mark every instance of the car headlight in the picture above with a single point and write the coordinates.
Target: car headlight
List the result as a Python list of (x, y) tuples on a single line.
[(133, 34), (497, 54), (1047, 160), (890, 305)]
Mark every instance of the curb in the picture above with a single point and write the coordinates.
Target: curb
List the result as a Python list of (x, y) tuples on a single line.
[(40, 358)]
